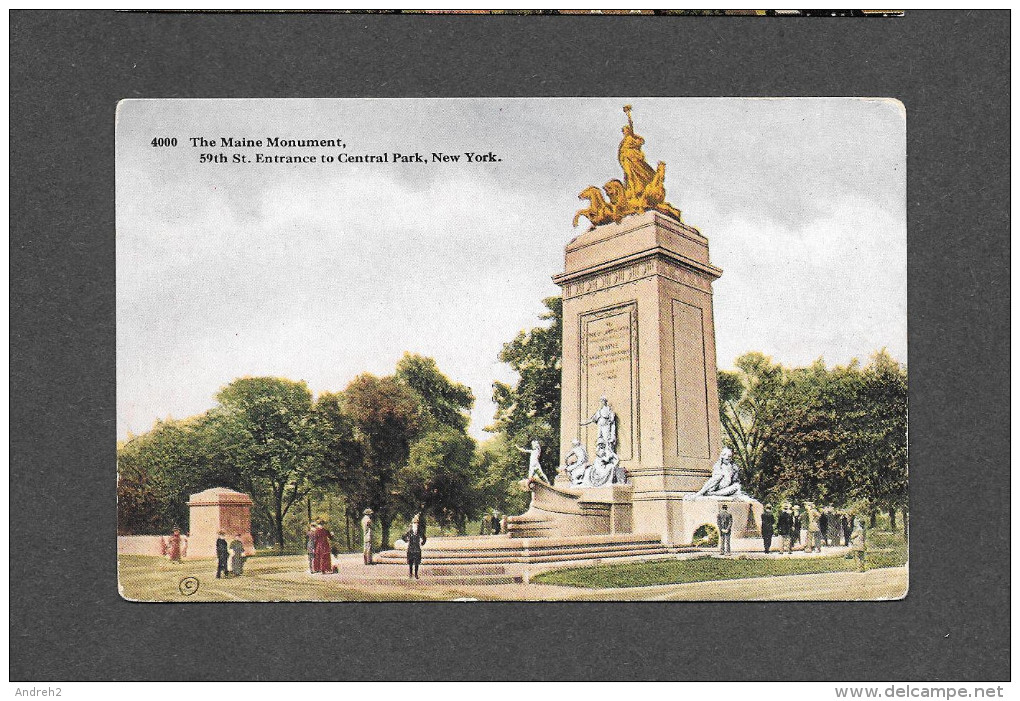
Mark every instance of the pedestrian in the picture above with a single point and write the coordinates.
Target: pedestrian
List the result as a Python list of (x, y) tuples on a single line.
[(222, 555), (310, 544), (486, 525), (833, 534), (415, 538), (784, 526), (857, 544), (174, 546), (725, 522), (237, 556), (823, 526), (814, 534), (846, 525), (366, 527), (496, 530), (767, 522), (322, 563), (796, 526)]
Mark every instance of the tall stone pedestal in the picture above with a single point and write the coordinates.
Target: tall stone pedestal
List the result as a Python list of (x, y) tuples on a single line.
[(214, 510), (638, 329)]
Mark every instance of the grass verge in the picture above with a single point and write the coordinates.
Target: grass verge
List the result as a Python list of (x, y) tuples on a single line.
[(890, 551)]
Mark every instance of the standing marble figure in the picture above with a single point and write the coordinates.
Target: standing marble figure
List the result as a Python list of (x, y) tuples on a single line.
[(366, 528), (605, 418)]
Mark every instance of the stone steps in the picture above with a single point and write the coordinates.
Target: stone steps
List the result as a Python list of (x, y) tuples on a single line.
[(492, 552), (451, 580)]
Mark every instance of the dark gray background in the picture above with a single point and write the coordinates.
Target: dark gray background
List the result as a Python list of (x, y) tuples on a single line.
[(68, 70)]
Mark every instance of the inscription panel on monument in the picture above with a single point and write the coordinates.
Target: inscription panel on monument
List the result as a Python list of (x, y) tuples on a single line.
[(609, 368), (690, 381)]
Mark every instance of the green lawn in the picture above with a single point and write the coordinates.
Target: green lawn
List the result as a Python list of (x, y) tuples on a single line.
[(885, 550), (144, 578)]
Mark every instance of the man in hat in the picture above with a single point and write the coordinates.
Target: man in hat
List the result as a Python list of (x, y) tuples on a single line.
[(814, 530), (366, 528), (415, 538), (767, 522), (725, 523), (222, 555), (785, 526)]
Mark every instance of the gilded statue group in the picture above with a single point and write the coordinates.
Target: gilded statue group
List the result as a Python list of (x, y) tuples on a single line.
[(642, 189)]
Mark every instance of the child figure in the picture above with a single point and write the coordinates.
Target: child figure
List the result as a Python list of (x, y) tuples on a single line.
[(534, 466)]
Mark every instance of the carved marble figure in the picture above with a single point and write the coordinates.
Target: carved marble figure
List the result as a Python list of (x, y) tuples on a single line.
[(576, 463), (604, 468), (605, 418), (725, 479), (534, 466)]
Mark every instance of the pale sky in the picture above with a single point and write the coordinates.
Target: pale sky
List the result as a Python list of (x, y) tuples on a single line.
[(320, 272)]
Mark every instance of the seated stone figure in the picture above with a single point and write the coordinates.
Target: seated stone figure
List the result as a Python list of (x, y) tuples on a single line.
[(725, 479), (576, 463), (604, 468)]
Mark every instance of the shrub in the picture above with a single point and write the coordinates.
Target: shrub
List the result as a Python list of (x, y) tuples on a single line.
[(706, 536)]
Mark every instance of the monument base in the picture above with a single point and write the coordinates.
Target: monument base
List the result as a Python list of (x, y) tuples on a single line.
[(746, 515), (558, 512)]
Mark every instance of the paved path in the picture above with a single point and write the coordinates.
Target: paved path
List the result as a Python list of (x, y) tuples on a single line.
[(884, 583)]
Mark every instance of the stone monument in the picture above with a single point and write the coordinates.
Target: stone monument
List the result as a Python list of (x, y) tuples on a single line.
[(639, 336), (214, 510), (639, 403)]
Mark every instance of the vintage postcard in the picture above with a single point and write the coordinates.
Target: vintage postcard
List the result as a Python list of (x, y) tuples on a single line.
[(511, 349)]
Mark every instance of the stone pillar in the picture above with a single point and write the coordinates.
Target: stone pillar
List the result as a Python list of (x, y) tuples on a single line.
[(638, 329), (214, 510)]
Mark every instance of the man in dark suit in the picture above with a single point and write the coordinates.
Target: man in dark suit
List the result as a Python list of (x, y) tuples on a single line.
[(222, 555), (415, 538), (785, 528), (767, 522), (725, 522)]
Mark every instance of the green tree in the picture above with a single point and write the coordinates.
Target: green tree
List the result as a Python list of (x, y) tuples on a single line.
[(388, 417), (442, 478), (445, 402), (530, 409), (835, 435), (272, 439), (159, 469), (877, 451), (749, 403), (500, 471), (341, 472)]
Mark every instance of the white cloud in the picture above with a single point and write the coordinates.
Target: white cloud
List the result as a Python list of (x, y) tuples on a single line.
[(320, 273)]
